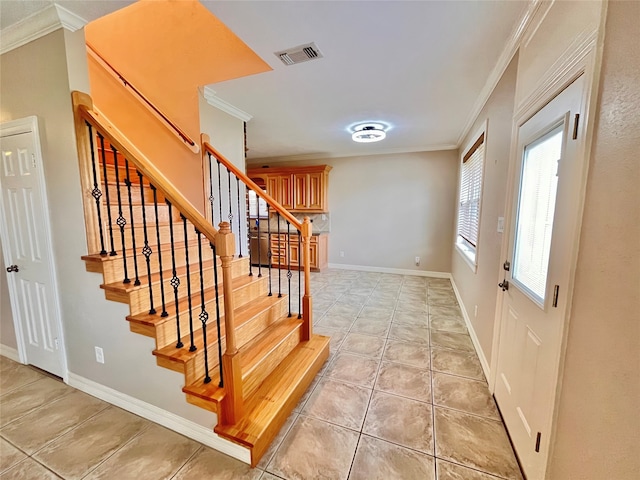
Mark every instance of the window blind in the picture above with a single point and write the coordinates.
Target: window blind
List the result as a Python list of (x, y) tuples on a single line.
[(470, 193)]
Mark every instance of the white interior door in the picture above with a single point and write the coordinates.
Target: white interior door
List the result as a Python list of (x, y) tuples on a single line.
[(541, 251), (27, 248)]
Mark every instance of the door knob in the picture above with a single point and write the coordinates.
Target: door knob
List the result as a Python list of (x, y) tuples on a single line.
[(12, 268), (504, 285)]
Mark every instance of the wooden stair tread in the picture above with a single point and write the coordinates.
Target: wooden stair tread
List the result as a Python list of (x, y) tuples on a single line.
[(164, 247), (268, 407), (242, 315)]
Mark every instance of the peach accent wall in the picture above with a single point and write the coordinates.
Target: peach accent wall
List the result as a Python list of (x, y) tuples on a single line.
[(598, 425), (166, 50)]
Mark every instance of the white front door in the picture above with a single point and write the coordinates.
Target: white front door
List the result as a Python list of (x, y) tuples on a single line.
[(537, 273), (27, 247)]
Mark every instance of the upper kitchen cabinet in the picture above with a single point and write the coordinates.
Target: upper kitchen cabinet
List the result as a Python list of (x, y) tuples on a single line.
[(298, 189)]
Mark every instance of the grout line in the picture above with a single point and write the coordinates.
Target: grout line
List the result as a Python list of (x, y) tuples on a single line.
[(198, 450)]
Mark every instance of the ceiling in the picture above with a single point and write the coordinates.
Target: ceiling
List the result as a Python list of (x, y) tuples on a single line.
[(418, 66)]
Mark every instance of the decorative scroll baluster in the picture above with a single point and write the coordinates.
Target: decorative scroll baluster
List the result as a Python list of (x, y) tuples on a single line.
[(192, 347), (120, 221), (175, 281), (215, 281), (133, 232), (146, 250), (96, 193), (249, 234), (155, 206), (269, 246), (289, 274), (230, 216), (259, 242), (239, 217), (212, 197), (299, 274), (219, 190), (204, 315), (112, 253), (279, 260)]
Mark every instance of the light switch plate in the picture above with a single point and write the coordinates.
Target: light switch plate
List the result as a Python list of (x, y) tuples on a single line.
[(500, 224)]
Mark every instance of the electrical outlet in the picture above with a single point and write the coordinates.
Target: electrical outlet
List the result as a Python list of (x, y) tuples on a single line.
[(324, 217), (500, 224), (99, 355), (341, 253), (417, 261), (475, 311)]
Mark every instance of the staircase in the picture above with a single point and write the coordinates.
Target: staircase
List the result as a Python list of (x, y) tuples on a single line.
[(245, 353)]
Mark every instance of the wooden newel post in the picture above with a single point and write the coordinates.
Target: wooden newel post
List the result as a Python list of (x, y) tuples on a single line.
[(307, 310), (232, 375)]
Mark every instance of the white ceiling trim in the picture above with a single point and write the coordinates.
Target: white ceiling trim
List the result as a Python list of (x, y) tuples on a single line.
[(320, 156), (38, 25), (511, 46), (215, 101)]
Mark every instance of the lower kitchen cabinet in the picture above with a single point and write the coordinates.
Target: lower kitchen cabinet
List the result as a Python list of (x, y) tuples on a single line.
[(285, 254)]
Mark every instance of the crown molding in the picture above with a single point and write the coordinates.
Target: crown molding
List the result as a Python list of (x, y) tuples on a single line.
[(511, 46), (38, 25), (215, 101)]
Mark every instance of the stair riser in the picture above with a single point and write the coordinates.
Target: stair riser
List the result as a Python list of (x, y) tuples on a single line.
[(252, 380), (136, 196), (165, 236), (149, 213)]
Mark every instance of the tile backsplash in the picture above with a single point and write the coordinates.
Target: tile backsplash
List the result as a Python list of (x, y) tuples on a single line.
[(321, 221)]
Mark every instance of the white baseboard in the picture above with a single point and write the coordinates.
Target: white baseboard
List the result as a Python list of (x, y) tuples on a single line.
[(157, 415), (397, 271), (472, 333), (9, 352)]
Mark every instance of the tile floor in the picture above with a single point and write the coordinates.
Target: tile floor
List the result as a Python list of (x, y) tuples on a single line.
[(401, 397)]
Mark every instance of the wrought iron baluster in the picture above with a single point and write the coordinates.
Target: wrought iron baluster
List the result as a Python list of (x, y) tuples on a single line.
[(133, 231), (215, 281), (300, 257), (249, 232), (96, 193), (259, 247), (175, 281), (279, 260), (269, 247), (146, 250), (192, 347), (219, 190), (112, 253), (204, 315), (230, 216), (211, 195), (155, 206), (289, 274), (239, 217), (120, 221)]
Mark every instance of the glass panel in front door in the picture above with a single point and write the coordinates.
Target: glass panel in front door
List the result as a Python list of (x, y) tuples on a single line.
[(536, 208)]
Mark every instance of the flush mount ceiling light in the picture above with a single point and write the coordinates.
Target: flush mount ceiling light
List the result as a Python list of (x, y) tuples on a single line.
[(368, 132)]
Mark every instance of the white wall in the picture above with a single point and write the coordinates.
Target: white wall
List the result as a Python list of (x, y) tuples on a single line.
[(36, 80), (388, 209)]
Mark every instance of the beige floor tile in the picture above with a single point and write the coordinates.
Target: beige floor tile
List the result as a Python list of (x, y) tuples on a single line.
[(360, 290), (452, 471), (314, 449), (35, 430), (155, 454), (475, 442), (455, 341), (75, 454), (271, 451), (340, 403), (375, 327), (336, 322), (377, 312), (400, 420), (337, 336), (308, 392), (26, 399), (343, 310), (412, 354), (379, 460), (420, 319), (414, 308), (9, 455), (463, 394), (29, 470), (366, 345), (404, 380), (352, 299), (439, 282), (442, 297), (409, 333), (455, 362), (353, 369), (446, 311), (208, 463), (15, 375), (268, 476), (448, 324)]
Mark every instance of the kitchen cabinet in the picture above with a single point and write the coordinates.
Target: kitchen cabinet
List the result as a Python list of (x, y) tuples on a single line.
[(285, 254), (298, 189)]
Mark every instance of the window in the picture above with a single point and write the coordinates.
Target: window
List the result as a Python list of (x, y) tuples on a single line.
[(470, 198)]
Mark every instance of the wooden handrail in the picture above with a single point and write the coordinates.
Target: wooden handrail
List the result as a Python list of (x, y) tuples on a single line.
[(83, 107), (253, 186), (148, 103)]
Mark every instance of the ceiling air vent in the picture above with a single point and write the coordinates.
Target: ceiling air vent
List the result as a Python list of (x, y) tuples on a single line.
[(299, 54)]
